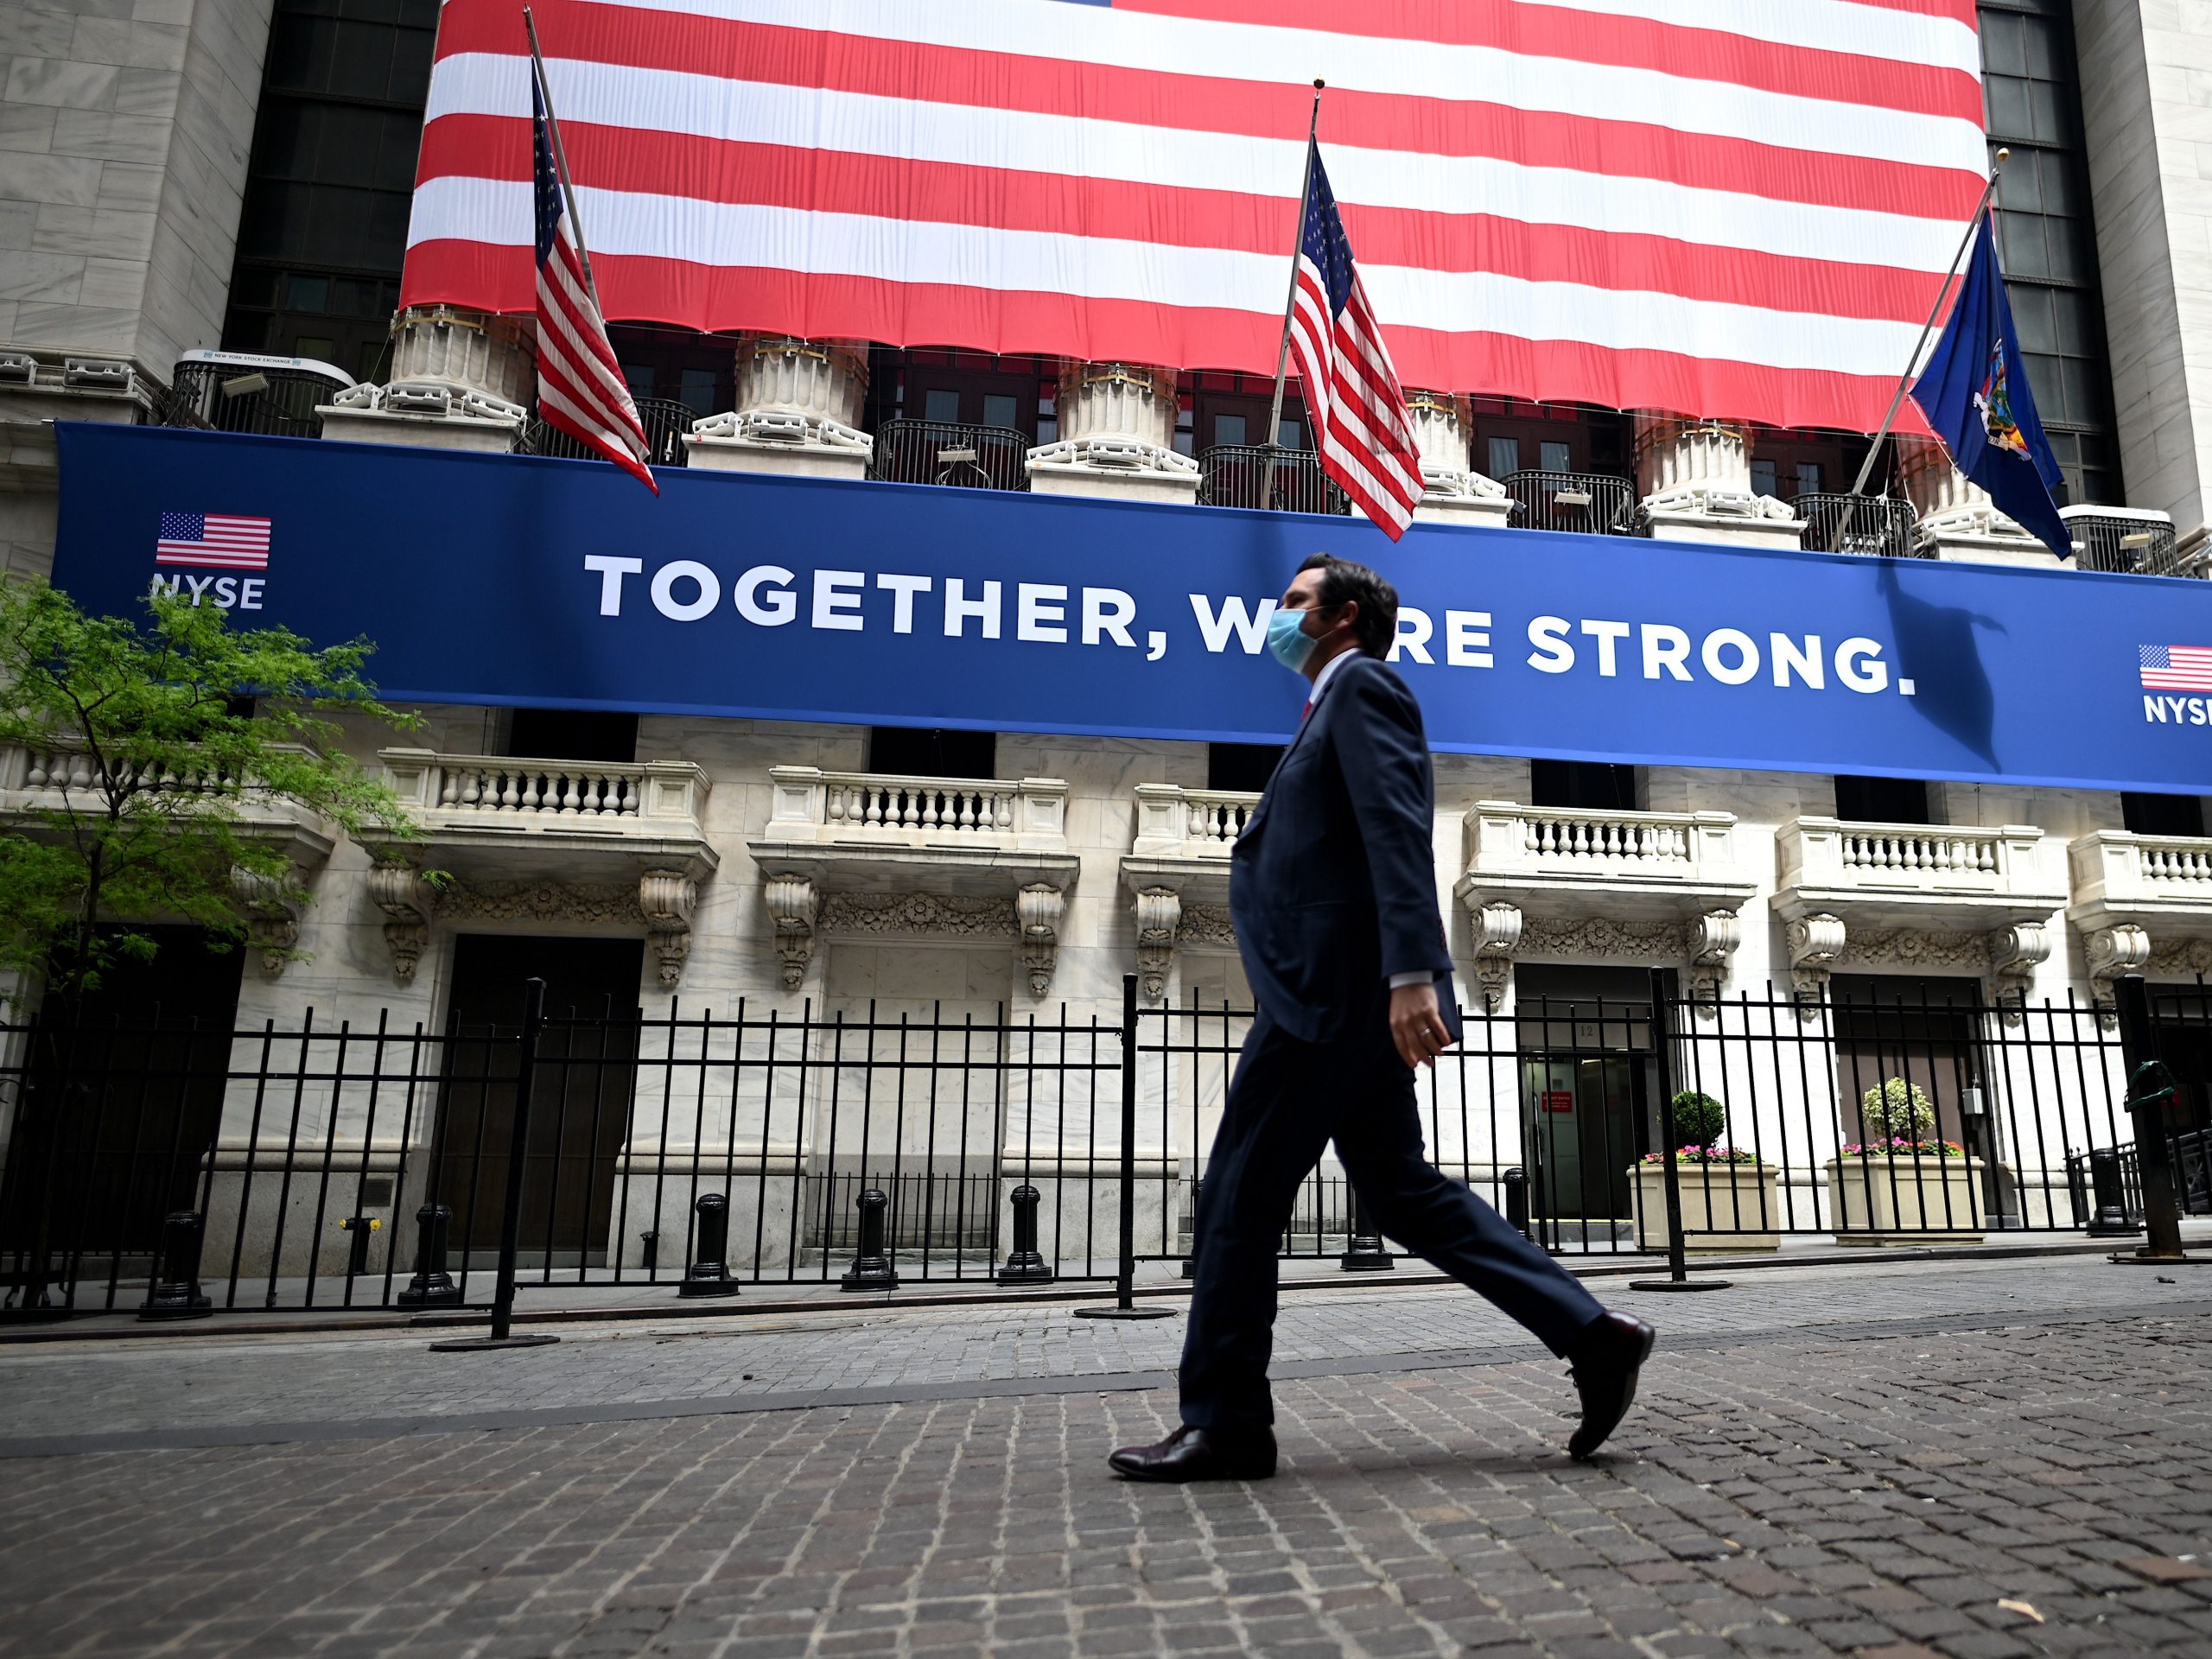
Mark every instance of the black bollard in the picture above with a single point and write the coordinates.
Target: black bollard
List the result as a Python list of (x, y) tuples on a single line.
[(1025, 1263), (176, 1291), (360, 1232), (1515, 1181), (707, 1275), (649, 1251), (1364, 1251), (1190, 1257), (2108, 1185), (871, 1268), (432, 1285)]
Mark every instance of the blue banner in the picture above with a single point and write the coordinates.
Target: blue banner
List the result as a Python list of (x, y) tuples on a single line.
[(496, 579)]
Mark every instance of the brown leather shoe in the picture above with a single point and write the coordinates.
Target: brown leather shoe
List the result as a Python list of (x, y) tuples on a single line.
[(1605, 1362), (1201, 1454)]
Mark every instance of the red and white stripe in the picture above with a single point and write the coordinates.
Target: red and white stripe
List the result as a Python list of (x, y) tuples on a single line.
[(1644, 204), (581, 391), (227, 541), (1361, 425), (2190, 670)]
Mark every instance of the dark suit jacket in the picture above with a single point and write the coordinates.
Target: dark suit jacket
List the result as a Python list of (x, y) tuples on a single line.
[(1333, 881)]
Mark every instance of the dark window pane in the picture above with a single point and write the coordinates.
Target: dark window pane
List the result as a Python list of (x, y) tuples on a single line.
[(573, 734), (2163, 814), (1241, 766), (1584, 785), (1882, 800), (1763, 478), (1504, 456), (1000, 410), (917, 752), (940, 404), (1558, 458)]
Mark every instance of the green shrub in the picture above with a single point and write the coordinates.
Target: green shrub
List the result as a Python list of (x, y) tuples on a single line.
[(1699, 1120), (1897, 1111)]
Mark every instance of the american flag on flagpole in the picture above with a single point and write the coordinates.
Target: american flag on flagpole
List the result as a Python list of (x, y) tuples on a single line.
[(581, 391), (2176, 668), (1360, 423)]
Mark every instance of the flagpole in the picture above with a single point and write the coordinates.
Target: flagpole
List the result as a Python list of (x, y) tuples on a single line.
[(1904, 380), (561, 159), (1290, 303)]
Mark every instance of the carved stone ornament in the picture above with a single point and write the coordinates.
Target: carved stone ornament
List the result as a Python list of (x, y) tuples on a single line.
[(1815, 944), (1913, 949), (2113, 951), (919, 915), (589, 902), (272, 924), (1206, 925), (2183, 958), (666, 899), (1159, 912), (1600, 935), (406, 902), (1498, 936), (1713, 937), (2015, 953), (1040, 910), (793, 906)]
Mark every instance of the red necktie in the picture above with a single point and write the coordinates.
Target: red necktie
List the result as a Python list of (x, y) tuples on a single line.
[(1306, 712)]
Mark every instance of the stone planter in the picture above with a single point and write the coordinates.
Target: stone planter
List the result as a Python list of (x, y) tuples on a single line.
[(1727, 1209), (1904, 1201)]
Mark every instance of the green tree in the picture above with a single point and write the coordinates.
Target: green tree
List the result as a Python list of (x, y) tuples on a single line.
[(155, 738)]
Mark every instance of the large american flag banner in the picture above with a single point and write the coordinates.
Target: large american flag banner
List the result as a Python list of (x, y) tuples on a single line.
[(1361, 425), (581, 390), (1737, 209), (2176, 668)]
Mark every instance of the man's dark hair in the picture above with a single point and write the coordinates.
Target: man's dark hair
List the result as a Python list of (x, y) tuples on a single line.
[(1342, 579)]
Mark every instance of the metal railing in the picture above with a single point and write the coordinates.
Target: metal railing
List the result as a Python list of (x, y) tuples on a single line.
[(1593, 503), (231, 393), (1879, 524), (2140, 545), (2106, 1186), (1232, 475), (952, 452), (665, 421), (365, 1164)]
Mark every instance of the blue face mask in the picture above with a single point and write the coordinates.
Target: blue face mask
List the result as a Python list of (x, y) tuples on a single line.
[(1287, 640)]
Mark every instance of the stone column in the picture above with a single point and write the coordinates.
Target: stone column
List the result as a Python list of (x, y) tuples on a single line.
[(1957, 519), (1454, 491), (799, 410), (460, 381), (1117, 436), (1696, 478)]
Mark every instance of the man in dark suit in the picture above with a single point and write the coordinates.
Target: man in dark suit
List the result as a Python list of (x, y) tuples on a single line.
[(1333, 891)]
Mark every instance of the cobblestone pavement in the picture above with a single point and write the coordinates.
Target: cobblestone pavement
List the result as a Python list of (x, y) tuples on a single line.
[(1986, 1460)]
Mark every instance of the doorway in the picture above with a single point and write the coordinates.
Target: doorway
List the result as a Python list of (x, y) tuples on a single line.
[(1587, 1078), (580, 1112)]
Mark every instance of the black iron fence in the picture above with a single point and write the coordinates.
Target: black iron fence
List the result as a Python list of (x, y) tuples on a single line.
[(2141, 544), (242, 394), (665, 422), (1877, 525), (322, 1165), (1235, 475), (952, 452), (1595, 504)]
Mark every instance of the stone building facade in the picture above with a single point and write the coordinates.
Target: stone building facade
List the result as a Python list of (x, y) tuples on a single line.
[(778, 865)]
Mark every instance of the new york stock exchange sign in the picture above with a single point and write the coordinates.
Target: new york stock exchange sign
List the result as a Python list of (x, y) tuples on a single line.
[(501, 579)]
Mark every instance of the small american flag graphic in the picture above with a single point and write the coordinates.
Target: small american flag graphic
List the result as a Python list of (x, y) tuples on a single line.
[(224, 540), (2176, 668)]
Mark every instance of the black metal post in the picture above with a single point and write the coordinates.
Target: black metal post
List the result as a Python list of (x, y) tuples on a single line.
[(1515, 1183), (360, 1232), (708, 1275), (2108, 1215), (1190, 1266), (1025, 1262), (871, 1268), (1662, 1052), (649, 1250), (1125, 1306), (502, 1298), (2150, 1086), (1364, 1248), (176, 1295), (432, 1285)]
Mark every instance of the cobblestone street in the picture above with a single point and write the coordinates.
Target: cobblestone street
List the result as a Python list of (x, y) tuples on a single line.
[(1973, 1459)]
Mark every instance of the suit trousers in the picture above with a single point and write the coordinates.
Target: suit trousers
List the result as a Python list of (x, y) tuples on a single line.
[(1288, 1100)]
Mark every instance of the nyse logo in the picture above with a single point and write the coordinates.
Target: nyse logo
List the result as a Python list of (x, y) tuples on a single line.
[(234, 545)]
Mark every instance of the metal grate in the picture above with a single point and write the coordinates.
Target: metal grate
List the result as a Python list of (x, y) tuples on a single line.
[(665, 422), (952, 452), (1879, 524), (235, 393), (1592, 504), (1232, 475)]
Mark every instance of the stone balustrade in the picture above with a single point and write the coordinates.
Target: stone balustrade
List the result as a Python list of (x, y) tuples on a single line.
[(461, 793), (1638, 886), (1196, 823), (814, 805), (2142, 902)]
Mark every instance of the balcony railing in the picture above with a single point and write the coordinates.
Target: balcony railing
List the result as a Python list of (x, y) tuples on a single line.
[(1233, 474), (1176, 821), (855, 807), (2125, 874), (231, 391), (665, 422), (476, 796), (1879, 524), (1906, 859), (2131, 543), (952, 452), (1590, 502)]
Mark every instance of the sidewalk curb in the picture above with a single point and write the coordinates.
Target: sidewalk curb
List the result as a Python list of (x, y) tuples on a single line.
[(247, 1321)]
